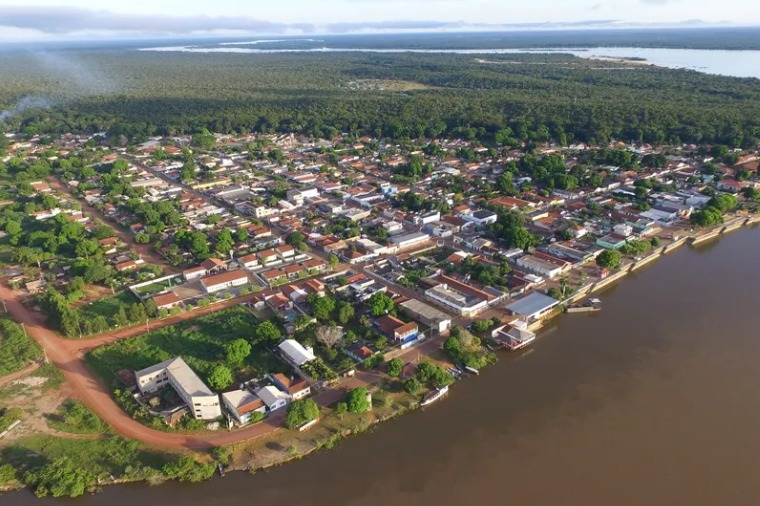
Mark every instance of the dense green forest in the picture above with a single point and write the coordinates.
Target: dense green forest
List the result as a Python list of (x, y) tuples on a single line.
[(501, 99)]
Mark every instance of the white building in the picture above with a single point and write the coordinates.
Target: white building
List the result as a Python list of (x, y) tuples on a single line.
[(481, 217), (430, 217), (274, 398), (409, 240), (224, 280), (294, 352), (242, 404), (534, 265), (202, 402)]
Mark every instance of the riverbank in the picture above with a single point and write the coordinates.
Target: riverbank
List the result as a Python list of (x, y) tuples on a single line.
[(282, 447)]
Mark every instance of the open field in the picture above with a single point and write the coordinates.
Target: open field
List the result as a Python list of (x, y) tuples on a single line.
[(199, 341), (107, 307)]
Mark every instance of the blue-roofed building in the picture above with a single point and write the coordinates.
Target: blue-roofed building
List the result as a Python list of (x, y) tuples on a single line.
[(534, 305)]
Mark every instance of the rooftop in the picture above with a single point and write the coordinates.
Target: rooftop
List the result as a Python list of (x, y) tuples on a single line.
[(533, 304)]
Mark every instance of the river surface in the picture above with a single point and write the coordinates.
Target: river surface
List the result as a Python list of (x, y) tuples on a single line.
[(709, 61), (651, 401)]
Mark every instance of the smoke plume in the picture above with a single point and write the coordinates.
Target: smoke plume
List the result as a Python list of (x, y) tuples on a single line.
[(25, 103)]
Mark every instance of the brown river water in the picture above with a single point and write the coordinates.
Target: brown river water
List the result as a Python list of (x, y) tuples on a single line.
[(651, 401)]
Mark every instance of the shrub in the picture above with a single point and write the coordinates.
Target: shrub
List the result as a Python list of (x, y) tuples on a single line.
[(300, 412), (357, 401)]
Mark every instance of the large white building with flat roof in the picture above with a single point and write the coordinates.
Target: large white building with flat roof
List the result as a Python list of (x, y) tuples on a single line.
[(202, 402)]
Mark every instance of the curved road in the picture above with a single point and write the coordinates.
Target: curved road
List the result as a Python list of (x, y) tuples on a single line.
[(92, 392)]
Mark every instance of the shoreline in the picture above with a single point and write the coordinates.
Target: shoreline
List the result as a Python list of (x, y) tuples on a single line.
[(361, 424)]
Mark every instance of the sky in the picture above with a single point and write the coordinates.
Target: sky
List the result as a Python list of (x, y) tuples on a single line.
[(82, 19)]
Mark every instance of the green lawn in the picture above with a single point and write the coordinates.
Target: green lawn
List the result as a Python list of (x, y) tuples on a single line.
[(200, 342), (160, 286), (108, 307)]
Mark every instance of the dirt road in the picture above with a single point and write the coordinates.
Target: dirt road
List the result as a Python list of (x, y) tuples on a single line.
[(19, 374), (91, 391), (145, 250)]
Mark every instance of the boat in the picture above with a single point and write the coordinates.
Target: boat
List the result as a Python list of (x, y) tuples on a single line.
[(434, 396), (591, 306), (471, 370), (514, 343)]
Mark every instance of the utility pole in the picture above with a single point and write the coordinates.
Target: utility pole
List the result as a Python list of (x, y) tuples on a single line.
[(147, 324), (5, 308)]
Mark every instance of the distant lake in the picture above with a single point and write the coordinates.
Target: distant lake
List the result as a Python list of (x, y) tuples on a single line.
[(709, 61)]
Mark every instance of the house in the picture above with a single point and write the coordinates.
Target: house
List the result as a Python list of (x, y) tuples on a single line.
[(427, 315), (249, 262), (279, 302), (269, 256), (242, 404), (397, 330), (274, 398), (129, 265), (294, 352), (359, 352), (213, 265), (315, 265), (513, 337), (274, 276), (286, 251), (224, 280), (201, 401), (481, 217), (293, 271), (37, 286), (168, 300), (613, 241), (194, 273), (297, 388)]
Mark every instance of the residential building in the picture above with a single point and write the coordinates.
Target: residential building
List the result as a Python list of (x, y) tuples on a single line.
[(274, 398), (242, 404), (167, 300), (427, 315), (294, 352), (201, 401), (297, 388), (396, 330), (481, 217), (224, 280)]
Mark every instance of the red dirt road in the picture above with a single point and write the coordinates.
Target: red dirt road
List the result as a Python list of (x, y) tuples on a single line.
[(92, 392), (145, 250)]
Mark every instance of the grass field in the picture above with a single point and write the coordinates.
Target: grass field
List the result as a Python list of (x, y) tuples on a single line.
[(76, 418), (160, 286), (200, 342), (108, 307), (107, 456)]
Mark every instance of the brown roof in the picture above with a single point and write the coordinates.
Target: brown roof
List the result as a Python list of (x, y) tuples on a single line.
[(224, 277), (250, 407), (273, 274), (211, 263), (293, 386), (166, 299)]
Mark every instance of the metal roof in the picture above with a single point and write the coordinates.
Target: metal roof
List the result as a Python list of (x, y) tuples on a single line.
[(533, 304)]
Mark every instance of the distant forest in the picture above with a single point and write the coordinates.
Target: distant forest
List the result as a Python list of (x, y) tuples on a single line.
[(498, 99)]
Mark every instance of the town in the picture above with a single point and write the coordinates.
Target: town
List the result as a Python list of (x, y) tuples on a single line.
[(229, 286)]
